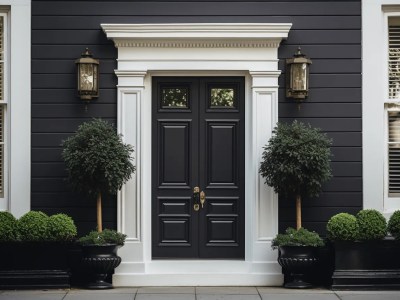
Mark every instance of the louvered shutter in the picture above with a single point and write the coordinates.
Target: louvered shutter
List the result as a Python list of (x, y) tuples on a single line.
[(394, 153), (394, 58)]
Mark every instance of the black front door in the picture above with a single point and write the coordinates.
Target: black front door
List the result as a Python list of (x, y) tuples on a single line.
[(198, 167)]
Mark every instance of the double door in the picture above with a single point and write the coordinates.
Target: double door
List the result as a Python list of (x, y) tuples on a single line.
[(198, 167)]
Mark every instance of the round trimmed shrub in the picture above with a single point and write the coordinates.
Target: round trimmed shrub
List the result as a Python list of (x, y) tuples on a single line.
[(342, 227), (32, 227), (61, 228), (8, 227), (371, 225), (394, 225)]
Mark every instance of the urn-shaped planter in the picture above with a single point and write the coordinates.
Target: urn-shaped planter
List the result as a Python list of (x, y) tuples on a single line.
[(100, 260), (298, 261)]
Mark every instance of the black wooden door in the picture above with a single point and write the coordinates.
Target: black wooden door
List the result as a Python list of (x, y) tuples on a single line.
[(198, 154)]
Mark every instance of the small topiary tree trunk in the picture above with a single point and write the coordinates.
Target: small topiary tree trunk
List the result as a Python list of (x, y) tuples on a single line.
[(97, 161), (296, 162)]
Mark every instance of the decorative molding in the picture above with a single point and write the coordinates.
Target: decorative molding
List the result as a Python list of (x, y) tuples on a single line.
[(196, 44), (197, 35)]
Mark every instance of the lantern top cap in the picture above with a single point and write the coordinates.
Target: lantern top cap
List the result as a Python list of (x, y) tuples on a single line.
[(87, 53), (297, 54)]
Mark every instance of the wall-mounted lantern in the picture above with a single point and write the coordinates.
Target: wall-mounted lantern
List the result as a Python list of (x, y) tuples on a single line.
[(297, 76), (88, 76)]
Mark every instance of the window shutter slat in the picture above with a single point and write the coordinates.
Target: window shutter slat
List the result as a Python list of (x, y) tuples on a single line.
[(394, 61), (394, 153)]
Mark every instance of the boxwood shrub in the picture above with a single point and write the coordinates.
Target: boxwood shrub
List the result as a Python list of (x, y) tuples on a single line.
[(342, 227), (8, 227), (394, 225), (371, 225), (301, 237), (32, 227), (61, 228)]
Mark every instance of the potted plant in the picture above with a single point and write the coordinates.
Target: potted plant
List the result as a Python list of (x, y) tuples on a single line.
[(297, 253), (296, 162), (364, 256), (98, 163), (34, 250)]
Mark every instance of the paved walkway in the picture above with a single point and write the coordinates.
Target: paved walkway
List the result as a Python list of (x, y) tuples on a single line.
[(198, 293)]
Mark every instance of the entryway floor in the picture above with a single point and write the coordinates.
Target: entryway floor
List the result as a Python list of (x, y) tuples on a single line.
[(198, 293)]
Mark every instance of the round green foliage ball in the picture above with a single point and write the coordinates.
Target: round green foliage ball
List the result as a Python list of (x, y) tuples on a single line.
[(342, 227), (8, 227), (371, 225), (61, 228), (394, 225), (33, 227)]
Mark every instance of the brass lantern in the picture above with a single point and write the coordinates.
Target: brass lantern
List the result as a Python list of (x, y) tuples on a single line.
[(88, 76), (297, 76)]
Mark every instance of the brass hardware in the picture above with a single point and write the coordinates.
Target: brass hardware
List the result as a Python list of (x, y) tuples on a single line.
[(196, 207), (202, 198), (196, 190)]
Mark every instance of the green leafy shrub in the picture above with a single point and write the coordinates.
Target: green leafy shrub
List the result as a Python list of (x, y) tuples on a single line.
[(301, 237), (394, 225), (371, 225), (97, 161), (342, 227), (107, 236), (8, 227), (33, 227), (61, 228), (296, 161)]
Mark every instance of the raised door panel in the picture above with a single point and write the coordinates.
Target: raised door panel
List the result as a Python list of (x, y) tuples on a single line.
[(174, 154)]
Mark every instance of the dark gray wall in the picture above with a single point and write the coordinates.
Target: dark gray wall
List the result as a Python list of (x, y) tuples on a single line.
[(329, 32)]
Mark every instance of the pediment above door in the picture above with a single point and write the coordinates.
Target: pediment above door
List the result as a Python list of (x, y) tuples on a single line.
[(198, 35)]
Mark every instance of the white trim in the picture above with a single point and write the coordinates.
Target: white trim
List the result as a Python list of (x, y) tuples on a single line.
[(136, 66), (374, 95), (19, 105)]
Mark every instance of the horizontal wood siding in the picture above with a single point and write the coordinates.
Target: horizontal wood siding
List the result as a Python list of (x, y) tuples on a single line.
[(329, 32)]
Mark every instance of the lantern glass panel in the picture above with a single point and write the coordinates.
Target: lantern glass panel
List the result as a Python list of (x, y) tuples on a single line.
[(299, 77), (87, 77)]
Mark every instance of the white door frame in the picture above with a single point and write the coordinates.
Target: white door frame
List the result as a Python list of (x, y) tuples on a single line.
[(146, 50)]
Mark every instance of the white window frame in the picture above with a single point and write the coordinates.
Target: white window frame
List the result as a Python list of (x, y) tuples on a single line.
[(18, 87), (375, 14), (4, 201)]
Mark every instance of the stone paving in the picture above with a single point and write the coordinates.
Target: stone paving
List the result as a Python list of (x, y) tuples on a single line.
[(198, 293)]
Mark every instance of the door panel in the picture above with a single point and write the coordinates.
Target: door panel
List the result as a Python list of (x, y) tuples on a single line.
[(175, 154), (198, 141)]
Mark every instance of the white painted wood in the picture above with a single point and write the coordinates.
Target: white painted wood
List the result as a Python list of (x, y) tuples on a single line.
[(374, 95), (251, 51), (19, 106)]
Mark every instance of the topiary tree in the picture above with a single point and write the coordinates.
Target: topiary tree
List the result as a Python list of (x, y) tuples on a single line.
[(342, 227), (296, 161), (371, 225), (97, 161), (32, 227), (8, 227), (394, 225), (61, 228)]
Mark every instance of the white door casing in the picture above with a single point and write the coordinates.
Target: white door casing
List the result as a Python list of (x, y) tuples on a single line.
[(146, 50)]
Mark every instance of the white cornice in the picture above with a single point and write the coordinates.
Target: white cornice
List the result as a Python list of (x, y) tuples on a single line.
[(197, 35)]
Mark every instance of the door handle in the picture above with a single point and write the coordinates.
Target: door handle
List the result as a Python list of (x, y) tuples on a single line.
[(202, 198), (196, 205)]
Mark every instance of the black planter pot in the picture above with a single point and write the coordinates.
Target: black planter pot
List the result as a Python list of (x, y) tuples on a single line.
[(298, 261), (367, 265), (100, 260), (30, 265)]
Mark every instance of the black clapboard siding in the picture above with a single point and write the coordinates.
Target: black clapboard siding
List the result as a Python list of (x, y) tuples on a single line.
[(328, 95), (69, 96), (172, 8), (44, 22), (329, 32)]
